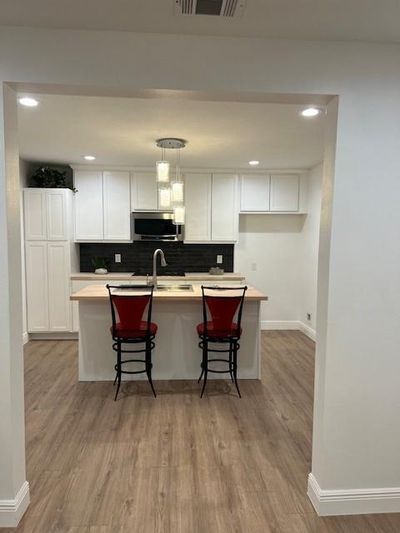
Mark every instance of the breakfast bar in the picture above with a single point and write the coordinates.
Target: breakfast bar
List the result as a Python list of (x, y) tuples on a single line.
[(177, 311)]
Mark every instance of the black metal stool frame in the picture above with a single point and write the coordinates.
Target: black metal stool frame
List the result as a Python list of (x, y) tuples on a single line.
[(148, 340), (232, 340)]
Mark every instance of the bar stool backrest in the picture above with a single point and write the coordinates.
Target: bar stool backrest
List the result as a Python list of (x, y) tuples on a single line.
[(223, 306), (129, 310)]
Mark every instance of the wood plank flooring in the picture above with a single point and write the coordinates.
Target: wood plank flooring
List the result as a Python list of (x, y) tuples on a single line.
[(175, 464)]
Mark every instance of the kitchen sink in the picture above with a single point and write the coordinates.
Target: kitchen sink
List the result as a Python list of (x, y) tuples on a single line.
[(183, 287)]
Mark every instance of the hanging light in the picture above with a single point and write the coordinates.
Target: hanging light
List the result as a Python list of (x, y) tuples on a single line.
[(179, 215), (177, 192), (177, 184), (164, 197), (162, 168)]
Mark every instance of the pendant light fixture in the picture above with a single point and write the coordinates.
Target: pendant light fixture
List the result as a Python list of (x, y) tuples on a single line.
[(171, 192), (162, 168)]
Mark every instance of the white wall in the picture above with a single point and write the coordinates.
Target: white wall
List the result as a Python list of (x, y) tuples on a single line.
[(12, 416), (278, 254), (271, 244), (356, 438), (23, 174), (309, 248)]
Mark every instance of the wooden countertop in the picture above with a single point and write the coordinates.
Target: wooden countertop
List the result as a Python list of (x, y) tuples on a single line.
[(98, 293), (189, 276)]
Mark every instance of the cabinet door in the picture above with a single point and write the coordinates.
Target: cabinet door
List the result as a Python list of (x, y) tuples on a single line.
[(36, 286), (58, 288), (254, 193), (224, 213), (198, 207), (35, 215), (117, 208), (285, 192), (57, 209), (88, 205), (144, 191)]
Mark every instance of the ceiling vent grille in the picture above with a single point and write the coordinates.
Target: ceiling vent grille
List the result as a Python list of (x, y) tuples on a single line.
[(219, 8)]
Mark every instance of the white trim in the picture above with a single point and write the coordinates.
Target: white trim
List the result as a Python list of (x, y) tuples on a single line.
[(307, 330), (290, 325), (56, 336), (11, 511), (353, 501), (25, 337), (280, 324)]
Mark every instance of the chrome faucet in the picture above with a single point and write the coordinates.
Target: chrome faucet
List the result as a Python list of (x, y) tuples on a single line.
[(163, 263)]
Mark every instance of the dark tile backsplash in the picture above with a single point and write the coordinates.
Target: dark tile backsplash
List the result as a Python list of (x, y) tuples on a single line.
[(138, 257)]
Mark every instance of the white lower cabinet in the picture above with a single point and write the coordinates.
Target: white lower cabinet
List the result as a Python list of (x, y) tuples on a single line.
[(47, 282), (37, 286)]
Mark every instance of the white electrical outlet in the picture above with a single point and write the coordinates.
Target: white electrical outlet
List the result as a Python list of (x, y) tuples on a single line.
[(220, 259), (253, 267), (117, 258)]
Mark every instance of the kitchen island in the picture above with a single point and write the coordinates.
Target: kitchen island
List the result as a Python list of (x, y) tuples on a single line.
[(176, 355)]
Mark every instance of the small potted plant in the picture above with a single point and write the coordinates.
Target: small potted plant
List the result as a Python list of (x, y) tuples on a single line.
[(49, 177), (100, 265)]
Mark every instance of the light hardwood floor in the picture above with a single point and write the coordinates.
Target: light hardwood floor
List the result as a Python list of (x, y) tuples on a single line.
[(175, 464)]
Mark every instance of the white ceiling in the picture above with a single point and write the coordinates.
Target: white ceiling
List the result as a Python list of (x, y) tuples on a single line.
[(122, 131), (362, 20)]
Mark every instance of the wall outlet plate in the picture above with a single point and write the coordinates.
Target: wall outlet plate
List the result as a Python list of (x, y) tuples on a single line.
[(117, 258), (220, 259)]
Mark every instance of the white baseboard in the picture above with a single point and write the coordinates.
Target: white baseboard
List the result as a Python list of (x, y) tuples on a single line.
[(11, 511), (62, 336), (353, 501), (25, 337), (289, 324), (307, 330), (280, 324)]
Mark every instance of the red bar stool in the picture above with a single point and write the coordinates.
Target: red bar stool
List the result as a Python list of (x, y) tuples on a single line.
[(222, 316), (130, 327)]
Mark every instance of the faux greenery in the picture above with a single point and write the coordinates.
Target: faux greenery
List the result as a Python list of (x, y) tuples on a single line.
[(49, 177), (99, 262)]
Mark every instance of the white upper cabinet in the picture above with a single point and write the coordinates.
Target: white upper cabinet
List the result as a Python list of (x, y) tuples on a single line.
[(284, 193), (88, 205), (254, 193), (117, 210), (57, 208), (35, 215), (46, 214), (198, 207), (144, 191), (224, 208)]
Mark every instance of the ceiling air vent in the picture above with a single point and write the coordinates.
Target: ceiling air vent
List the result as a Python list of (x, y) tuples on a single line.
[(218, 8)]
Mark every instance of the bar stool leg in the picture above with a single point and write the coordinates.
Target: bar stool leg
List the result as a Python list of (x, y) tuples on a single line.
[(231, 360), (118, 376), (205, 366), (149, 366), (235, 351)]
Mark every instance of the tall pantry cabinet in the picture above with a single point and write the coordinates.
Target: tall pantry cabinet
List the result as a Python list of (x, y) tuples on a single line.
[(50, 256)]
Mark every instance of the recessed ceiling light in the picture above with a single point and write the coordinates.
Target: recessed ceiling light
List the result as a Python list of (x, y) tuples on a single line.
[(254, 163), (28, 102), (310, 112), (89, 157)]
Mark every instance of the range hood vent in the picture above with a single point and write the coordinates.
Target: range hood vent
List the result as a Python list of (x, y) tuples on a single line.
[(218, 8)]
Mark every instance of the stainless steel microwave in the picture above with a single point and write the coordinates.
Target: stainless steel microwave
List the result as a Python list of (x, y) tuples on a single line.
[(155, 226)]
